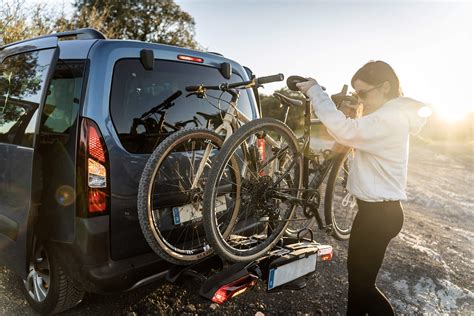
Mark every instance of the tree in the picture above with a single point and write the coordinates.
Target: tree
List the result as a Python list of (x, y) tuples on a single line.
[(160, 21), (19, 21), (14, 23), (272, 108)]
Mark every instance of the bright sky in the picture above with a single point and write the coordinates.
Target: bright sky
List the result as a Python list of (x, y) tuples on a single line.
[(429, 44)]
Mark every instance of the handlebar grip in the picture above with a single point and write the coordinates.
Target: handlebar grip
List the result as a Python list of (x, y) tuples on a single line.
[(344, 89), (268, 79), (192, 88), (338, 99), (173, 96)]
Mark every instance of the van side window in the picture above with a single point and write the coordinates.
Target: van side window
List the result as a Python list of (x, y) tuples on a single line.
[(135, 92), (22, 79), (64, 94)]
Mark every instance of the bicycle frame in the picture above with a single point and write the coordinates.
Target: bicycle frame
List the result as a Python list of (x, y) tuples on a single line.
[(231, 121), (308, 156)]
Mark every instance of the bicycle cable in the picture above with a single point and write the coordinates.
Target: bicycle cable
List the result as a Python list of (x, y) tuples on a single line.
[(219, 99)]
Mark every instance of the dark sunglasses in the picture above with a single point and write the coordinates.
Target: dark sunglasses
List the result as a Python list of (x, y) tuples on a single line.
[(363, 94)]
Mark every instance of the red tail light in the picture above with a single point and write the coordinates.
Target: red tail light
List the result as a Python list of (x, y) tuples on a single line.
[(190, 58), (93, 171), (234, 288), (95, 148), (325, 253), (97, 201), (261, 152), (261, 148)]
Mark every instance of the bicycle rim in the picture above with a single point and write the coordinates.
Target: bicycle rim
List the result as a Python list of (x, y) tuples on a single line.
[(174, 207), (269, 176), (341, 206)]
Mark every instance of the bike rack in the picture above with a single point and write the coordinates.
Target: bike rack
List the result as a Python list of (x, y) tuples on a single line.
[(222, 280)]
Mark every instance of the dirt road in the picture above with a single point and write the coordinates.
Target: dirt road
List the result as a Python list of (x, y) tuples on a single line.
[(427, 269)]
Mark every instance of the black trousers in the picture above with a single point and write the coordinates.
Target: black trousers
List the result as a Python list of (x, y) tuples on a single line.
[(375, 224)]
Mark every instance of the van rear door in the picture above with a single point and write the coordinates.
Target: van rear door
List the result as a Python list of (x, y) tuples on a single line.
[(25, 72)]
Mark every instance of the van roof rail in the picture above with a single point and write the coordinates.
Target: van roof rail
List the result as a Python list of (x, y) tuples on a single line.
[(80, 34)]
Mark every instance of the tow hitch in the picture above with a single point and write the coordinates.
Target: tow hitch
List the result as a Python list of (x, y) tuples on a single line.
[(287, 263)]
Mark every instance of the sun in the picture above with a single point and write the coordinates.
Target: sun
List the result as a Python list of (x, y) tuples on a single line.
[(452, 115)]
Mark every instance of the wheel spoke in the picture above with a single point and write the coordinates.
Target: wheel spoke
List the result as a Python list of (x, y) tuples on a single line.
[(341, 208), (40, 291), (263, 179), (180, 158)]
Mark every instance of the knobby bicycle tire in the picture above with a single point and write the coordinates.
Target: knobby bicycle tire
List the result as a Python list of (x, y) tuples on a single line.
[(224, 246), (304, 223), (165, 164), (335, 213)]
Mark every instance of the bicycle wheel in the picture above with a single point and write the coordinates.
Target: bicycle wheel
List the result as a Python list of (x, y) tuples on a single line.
[(340, 207), (270, 174), (303, 217), (169, 206)]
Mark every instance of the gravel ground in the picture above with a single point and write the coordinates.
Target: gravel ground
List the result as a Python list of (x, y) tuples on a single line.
[(427, 269)]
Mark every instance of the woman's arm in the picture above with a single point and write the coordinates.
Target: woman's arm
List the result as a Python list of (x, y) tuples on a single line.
[(362, 133)]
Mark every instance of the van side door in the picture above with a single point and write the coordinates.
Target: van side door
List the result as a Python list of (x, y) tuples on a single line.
[(25, 72)]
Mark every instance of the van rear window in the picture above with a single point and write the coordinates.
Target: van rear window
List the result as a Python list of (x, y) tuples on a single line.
[(136, 91)]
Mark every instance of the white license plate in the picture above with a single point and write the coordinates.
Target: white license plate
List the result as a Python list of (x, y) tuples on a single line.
[(188, 212), (291, 271)]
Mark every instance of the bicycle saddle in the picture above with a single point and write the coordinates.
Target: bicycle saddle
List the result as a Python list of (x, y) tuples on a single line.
[(286, 100), (293, 80)]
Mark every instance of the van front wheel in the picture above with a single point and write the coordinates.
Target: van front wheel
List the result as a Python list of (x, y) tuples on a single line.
[(47, 288)]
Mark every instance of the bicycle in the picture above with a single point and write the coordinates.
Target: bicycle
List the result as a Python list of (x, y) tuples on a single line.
[(269, 197), (171, 186)]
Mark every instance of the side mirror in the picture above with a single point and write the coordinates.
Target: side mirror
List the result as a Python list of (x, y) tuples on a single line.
[(226, 70)]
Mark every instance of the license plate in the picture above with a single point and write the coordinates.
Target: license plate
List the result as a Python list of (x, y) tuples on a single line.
[(188, 212), (291, 271)]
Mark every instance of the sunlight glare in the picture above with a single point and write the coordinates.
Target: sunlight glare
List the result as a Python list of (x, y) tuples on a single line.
[(451, 115), (425, 111)]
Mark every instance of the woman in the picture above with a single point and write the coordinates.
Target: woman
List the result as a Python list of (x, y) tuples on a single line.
[(377, 175)]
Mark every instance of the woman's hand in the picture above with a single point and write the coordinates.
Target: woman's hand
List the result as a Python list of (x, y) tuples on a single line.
[(305, 86), (350, 109)]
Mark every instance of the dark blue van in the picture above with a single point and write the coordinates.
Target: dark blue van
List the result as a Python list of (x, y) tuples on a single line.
[(72, 149)]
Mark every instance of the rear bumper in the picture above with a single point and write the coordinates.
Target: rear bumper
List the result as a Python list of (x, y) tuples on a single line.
[(118, 276), (87, 260)]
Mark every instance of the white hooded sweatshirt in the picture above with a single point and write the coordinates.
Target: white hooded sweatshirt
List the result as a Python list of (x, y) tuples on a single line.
[(381, 139)]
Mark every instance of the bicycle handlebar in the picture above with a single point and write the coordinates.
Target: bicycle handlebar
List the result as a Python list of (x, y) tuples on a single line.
[(243, 84), (268, 79), (196, 88), (173, 96), (163, 105), (343, 96)]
